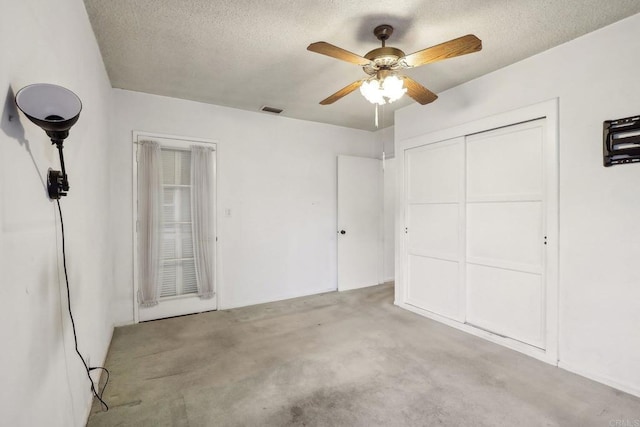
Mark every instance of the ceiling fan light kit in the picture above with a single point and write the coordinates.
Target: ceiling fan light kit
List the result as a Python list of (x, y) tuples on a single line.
[(379, 92), (382, 64)]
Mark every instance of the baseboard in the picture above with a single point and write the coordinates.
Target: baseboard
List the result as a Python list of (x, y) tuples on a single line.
[(127, 323), (282, 297), (627, 388)]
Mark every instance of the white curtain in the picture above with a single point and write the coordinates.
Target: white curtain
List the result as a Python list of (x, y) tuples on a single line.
[(150, 221), (201, 213)]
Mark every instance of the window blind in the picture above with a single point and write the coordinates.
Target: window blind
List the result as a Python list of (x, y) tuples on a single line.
[(178, 265)]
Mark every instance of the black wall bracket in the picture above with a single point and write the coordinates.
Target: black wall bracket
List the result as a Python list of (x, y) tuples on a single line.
[(57, 183), (621, 141)]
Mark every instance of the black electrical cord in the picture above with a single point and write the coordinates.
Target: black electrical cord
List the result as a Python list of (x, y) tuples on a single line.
[(88, 368)]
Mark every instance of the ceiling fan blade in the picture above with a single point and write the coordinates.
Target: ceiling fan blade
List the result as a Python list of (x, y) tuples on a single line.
[(338, 53), (456, 47), (418, 92), (342, 92)]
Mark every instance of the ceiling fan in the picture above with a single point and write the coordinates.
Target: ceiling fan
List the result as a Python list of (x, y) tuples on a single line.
[(382, 64)]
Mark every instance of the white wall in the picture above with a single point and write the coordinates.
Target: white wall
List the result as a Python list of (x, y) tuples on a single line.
[(389, 219), (43, 381), (385, 139), (595, 78), (278, 177)]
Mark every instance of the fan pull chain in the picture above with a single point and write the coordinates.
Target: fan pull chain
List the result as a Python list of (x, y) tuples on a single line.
[(376, 116)]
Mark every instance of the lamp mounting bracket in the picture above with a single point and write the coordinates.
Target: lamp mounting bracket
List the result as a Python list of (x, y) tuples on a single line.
[(57, 183)]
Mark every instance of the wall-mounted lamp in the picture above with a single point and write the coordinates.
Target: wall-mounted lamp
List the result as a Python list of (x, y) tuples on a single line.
[(55, 109)]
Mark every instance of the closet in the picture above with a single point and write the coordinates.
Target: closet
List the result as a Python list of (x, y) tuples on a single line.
[(479, 216)]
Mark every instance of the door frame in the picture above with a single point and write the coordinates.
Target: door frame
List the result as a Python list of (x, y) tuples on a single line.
[(549, 111), (183, 142)]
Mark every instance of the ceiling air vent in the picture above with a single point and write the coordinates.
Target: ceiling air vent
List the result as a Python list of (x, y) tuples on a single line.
[(273, 110)]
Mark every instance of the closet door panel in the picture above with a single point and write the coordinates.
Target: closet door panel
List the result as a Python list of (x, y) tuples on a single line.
[(434, 189), (506, 302), (505, 213), (434, 285), (434, 230)]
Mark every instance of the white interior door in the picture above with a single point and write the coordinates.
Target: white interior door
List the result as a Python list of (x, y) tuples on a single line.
[(360, 232), (505, 232), (434, 236)]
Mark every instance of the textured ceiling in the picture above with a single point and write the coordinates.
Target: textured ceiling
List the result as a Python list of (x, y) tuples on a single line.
[(249, 53)]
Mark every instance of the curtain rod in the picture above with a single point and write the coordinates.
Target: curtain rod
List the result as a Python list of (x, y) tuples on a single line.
[(179, 148)]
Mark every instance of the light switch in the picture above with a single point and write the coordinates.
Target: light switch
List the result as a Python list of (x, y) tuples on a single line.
[(227, 212)]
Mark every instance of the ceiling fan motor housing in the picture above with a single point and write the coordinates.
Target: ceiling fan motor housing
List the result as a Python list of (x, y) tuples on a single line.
[(383, 58)]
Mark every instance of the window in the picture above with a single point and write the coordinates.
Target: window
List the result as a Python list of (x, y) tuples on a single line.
[(175, 233), (177, 259)]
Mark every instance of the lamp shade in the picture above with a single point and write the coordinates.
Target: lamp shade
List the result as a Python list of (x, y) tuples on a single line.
[(53, 108)]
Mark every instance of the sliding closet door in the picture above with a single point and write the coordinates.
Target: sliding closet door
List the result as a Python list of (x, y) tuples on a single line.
[(505, 231), (434, 206)]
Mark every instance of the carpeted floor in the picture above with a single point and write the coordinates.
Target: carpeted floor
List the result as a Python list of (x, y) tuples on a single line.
[(338, 359)]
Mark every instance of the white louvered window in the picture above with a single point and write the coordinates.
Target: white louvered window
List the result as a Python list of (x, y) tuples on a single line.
[(178, 265)]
